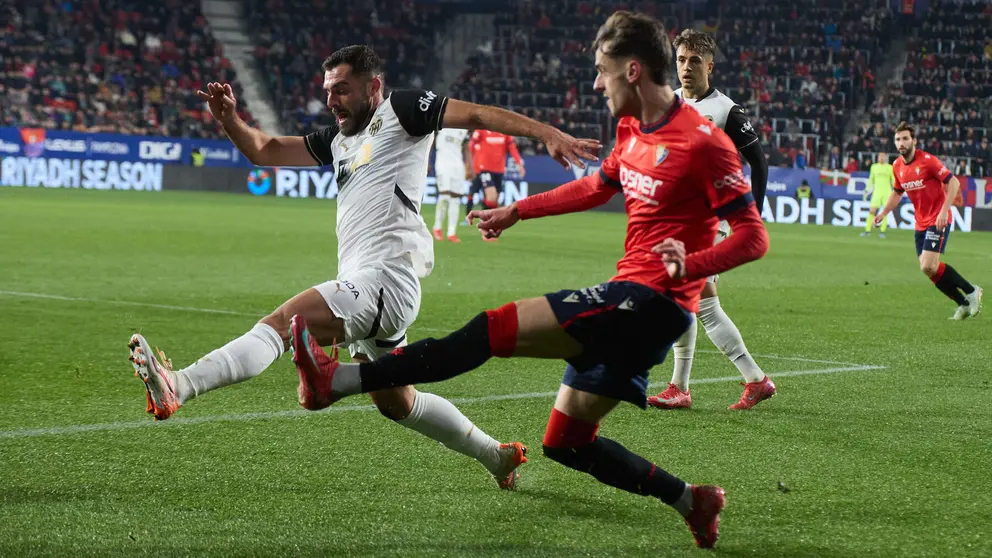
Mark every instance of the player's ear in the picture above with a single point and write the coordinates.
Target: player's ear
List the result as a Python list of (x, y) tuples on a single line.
[(375, 86), (634, 70), (709, 66)]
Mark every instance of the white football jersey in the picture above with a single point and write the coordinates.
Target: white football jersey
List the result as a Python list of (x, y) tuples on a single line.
[(381, 173), (722, 111), (726, 114), (450, 145)]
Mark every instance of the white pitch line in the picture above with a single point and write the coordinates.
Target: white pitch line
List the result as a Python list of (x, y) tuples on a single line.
[(260, 315), (128, 303), (297, 413), (779, 357)]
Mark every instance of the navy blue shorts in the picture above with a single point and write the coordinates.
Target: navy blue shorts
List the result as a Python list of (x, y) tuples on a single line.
[(625, 329), (931, 240), (486, 179)]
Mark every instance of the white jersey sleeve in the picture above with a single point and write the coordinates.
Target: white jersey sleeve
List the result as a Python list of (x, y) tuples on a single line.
[(381, 173)]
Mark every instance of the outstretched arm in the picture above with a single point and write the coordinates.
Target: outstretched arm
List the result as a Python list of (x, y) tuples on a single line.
[(257, 146), (563, 147), (577, 195)]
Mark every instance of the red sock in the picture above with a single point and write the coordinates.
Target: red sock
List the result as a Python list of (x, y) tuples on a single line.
[(490, 204), (503, 330), (564, 431), (940, 273)]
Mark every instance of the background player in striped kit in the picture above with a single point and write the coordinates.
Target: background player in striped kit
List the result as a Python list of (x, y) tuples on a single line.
[(694, 61)]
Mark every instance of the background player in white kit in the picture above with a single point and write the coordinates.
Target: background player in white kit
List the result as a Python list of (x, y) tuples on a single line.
[(452, 175), (381, 154), (694, 52)]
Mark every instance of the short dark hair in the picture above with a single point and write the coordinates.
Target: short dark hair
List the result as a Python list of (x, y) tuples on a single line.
[(696, 41), (362, 59), (638, 35), (905, 127)]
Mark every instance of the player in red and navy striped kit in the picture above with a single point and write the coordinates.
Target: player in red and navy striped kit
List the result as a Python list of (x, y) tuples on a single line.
[(923, 177), (679, 175)]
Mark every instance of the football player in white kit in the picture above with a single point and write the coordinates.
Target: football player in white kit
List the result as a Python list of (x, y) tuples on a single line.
[(694, 60), (452, 174), (380, 149)]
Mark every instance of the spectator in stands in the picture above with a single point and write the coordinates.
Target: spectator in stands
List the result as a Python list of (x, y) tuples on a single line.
[(800, 161), (835, 161), (852, 165)]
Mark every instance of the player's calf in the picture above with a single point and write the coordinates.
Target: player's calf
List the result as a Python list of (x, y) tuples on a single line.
[(574, 443)]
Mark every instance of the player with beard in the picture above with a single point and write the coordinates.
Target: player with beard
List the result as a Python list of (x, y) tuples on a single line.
[(931, 188), (380, 149)]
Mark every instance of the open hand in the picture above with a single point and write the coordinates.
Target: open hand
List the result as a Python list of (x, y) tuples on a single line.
[(571, 151)]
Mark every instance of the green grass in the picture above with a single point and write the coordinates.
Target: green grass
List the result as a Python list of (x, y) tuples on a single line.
[(891, 462)]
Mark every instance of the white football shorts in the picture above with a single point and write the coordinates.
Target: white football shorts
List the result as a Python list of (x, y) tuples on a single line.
[(377, 306), (451, 178)]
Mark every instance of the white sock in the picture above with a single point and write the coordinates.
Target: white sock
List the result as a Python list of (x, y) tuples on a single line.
[(436, 418), (454, 209), (684, 504), (725, 335), (442, 204), (683, 350), (347, 379), (241, 359)]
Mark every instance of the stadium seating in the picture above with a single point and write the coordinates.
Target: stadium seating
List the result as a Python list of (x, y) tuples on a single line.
[(294, 37), (539, 64), (945, 90), (95, 66), (800, 67)]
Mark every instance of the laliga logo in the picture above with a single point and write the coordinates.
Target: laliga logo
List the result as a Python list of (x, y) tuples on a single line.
[(163, 151)]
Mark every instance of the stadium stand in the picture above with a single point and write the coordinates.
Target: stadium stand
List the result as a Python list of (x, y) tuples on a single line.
[(124, 67), (294, 36), (538, 63), (945, 90), (800, 68)]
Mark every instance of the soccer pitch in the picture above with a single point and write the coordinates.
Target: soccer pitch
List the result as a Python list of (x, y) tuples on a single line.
[(878, 442)]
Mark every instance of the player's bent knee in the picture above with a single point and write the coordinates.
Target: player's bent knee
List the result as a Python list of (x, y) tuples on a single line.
[(929, 269), (395, 404), (279, 321)]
